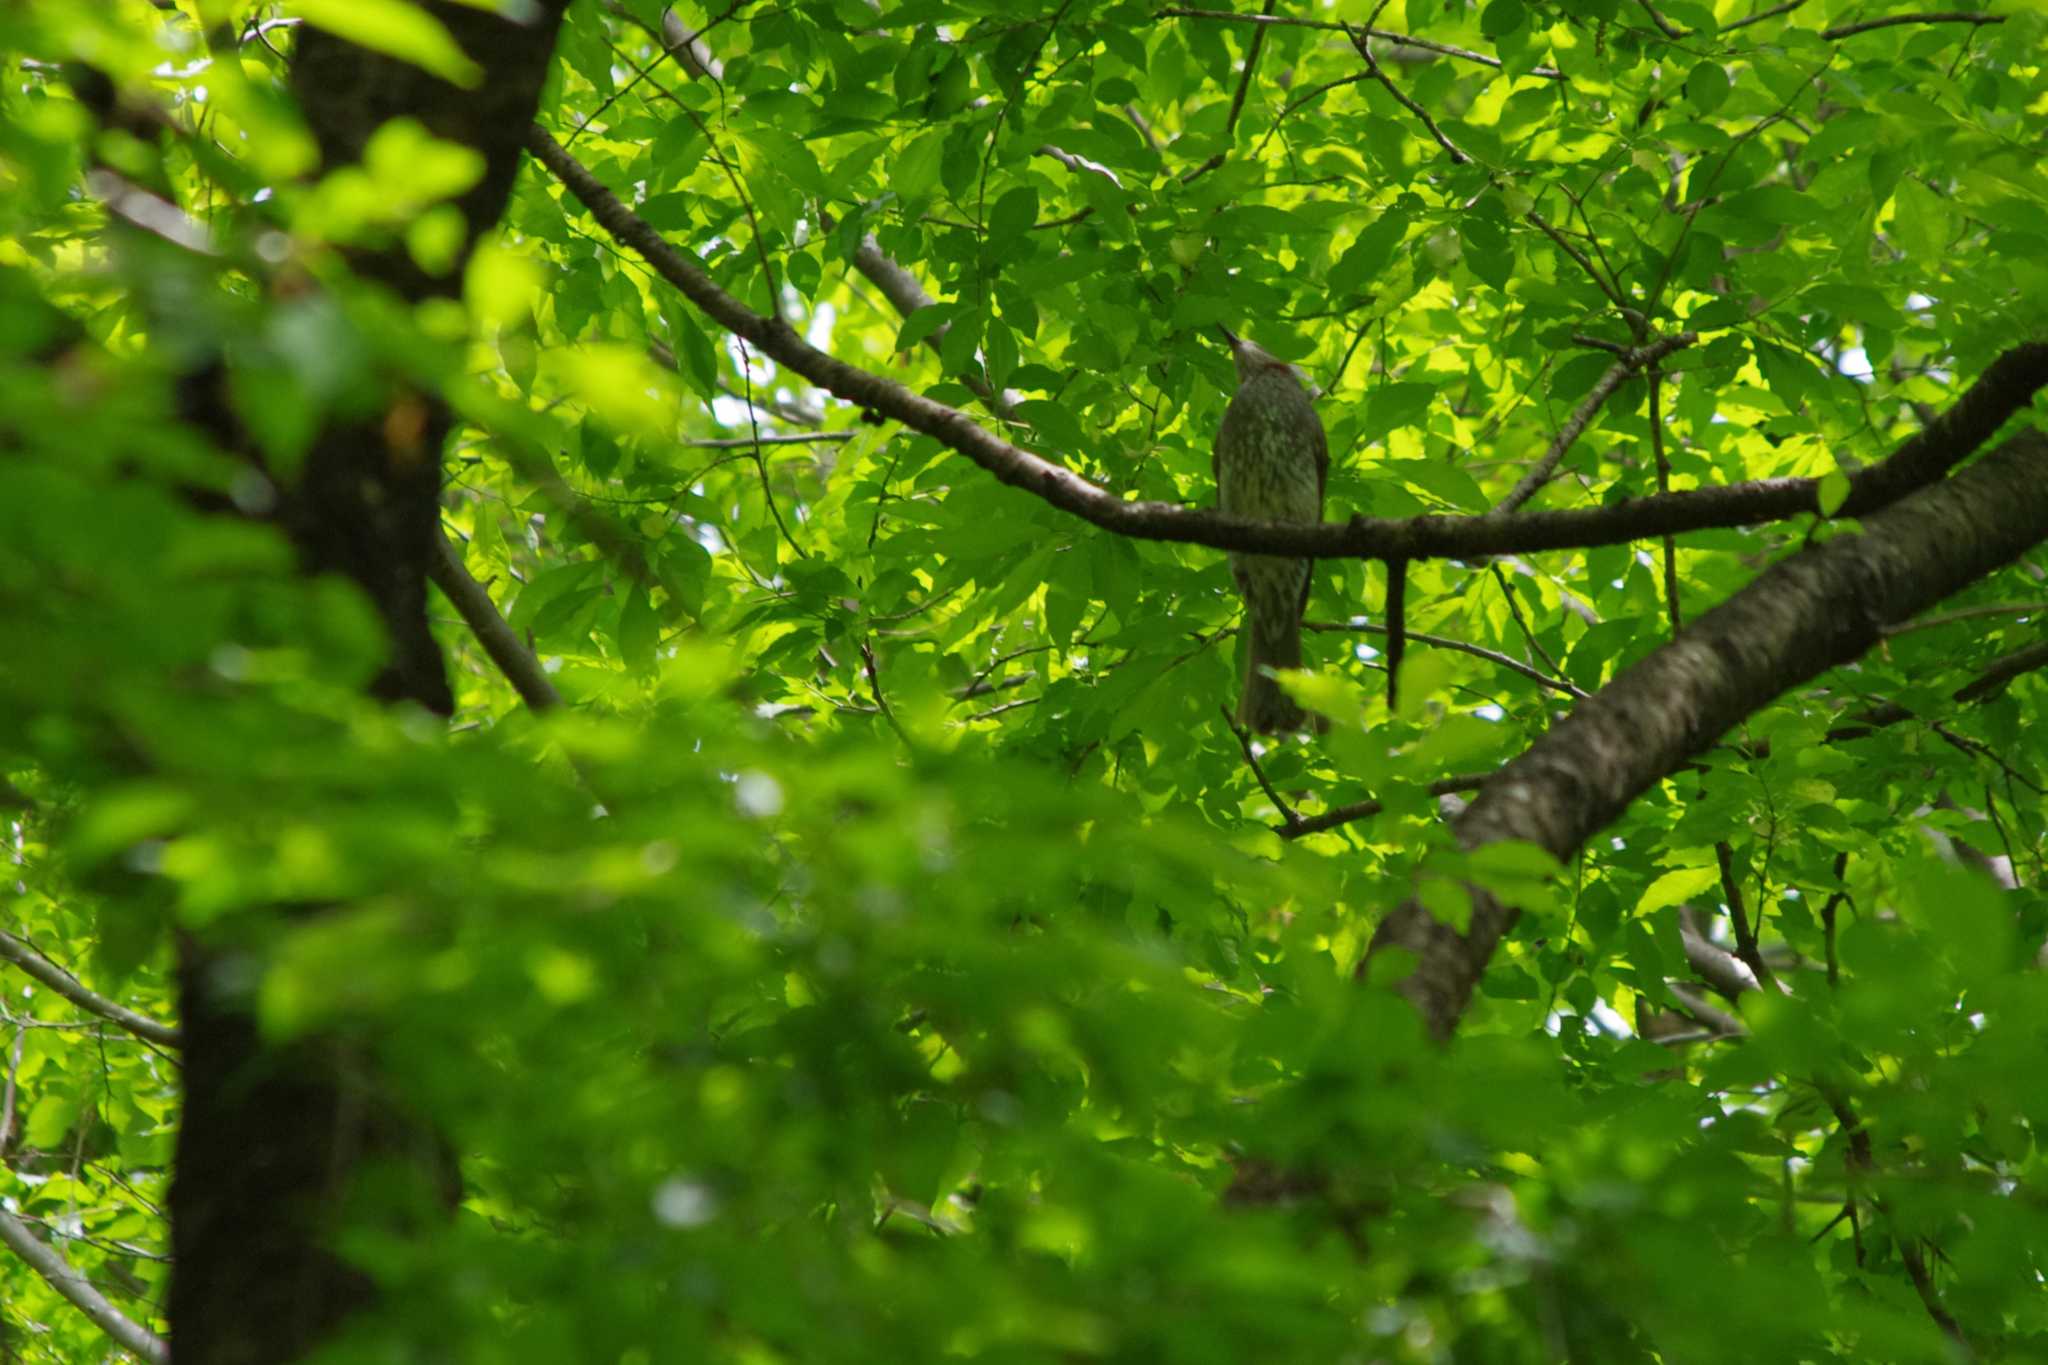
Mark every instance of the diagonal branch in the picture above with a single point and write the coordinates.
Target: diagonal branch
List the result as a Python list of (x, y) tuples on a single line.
[(2003, 389), (48, 1262), (1630, 361), (1492, 656), (521, 667), (22, 955), (1820, 608), (1402, 98)]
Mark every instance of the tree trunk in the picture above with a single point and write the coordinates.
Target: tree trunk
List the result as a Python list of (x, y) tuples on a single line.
[(272, 1137)]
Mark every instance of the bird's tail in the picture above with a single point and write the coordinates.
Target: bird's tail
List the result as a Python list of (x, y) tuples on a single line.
[(1265, 705)]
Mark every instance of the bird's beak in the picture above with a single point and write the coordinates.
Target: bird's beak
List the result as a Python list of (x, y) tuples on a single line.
[(1228, 335)]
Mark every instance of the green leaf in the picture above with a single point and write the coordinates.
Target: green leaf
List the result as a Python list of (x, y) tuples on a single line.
[(639, 629), (1832, 493), (1014, 214), (1393, 406), (1707, 87), (1676, 888), (1369, 254)]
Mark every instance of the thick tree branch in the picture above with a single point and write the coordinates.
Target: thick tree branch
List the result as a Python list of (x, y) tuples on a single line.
[(78, 993), (78, 1291), (1817, 609), (2003, 389)]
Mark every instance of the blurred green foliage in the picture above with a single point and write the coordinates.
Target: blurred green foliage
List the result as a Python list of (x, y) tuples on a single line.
[(888, 953)]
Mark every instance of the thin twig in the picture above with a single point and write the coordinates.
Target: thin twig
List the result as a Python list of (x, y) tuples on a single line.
[(1580, 258), (1372, 68), (1745, 932), (1507, 594), (1539, 474), (760, 460), (1968, 614), (786, 438), (1891, 20), (1664, 26), (1289, 821), (1463, 54), (8, 1092), (1761, 15), (867, 659), (1305, 825), (1492, 656), (1251, 64), (1827, 919), (1663, 462)]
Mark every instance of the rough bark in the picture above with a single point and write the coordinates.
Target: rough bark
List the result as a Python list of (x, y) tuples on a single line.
[(1821, 607), (272, 1137)]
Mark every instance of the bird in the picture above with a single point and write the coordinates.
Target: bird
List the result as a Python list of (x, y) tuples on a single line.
[(1271, 461)]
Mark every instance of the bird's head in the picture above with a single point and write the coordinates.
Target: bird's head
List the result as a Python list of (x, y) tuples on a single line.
[(1254, 360)]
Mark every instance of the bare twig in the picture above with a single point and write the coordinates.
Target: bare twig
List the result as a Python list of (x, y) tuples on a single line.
[(1401, 97), (1968, 614), (1671, 605), (867, 660), (1289, 821), (1664, 26), (1761, 15), (1584, 263), (1827, 919), (1336, 816), (1463, 54), (1582, 416), (1745, 932), (1507, 594), (1892, 20), (786, 438), (1492, 656), (1251, 65)]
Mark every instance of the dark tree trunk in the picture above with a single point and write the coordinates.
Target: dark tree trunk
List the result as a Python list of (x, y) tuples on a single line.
[(271, 1138)]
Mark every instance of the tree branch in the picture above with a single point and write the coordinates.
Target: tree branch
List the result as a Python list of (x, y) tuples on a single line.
[(1463, 54), (1892, 20), (520, 665), (49, 1263), (1582, 416), (2005, 387), (1335, 816), (22, 955), (1819, 608), (1492, 656)]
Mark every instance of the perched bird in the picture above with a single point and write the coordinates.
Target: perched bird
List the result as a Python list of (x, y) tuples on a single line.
[(1271, 460)]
